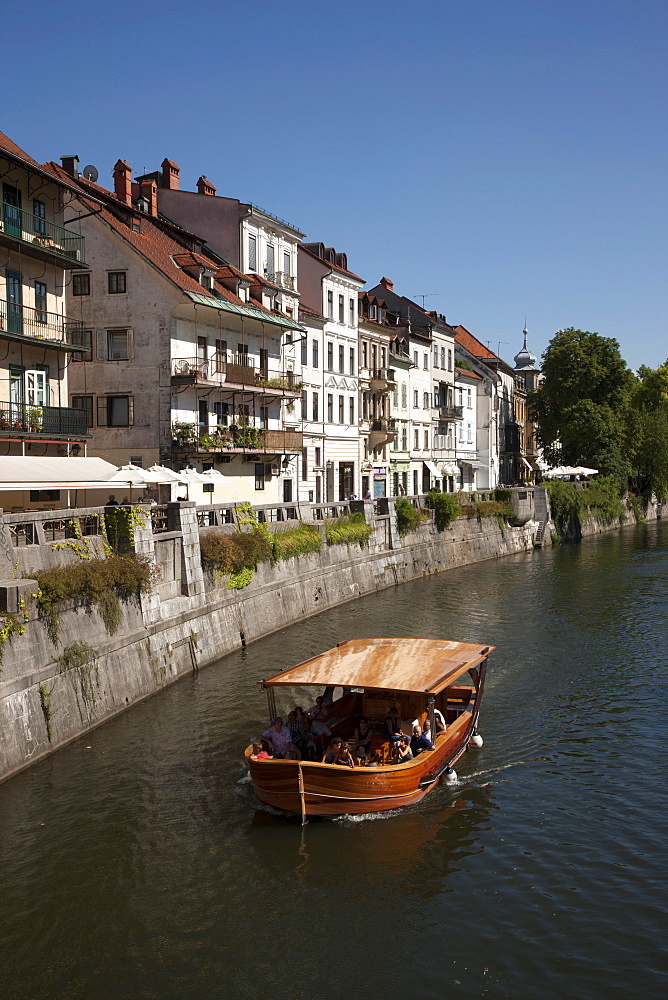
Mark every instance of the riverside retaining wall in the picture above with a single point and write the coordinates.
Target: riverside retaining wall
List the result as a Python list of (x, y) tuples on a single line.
[(189, 620)]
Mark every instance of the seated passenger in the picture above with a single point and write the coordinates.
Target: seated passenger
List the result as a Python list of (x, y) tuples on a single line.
[(363, 736), (333, 751), (279, 739), (420, 742), (317, 714), (426, 730), (259, 753), (372, 759), (345, 757), (404, 752), (439, 722), (392, 725)]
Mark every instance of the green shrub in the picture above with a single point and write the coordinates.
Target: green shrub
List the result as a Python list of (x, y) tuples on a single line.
[(503, 495), (602, 497), (564, 503), (408, 517), (297, 541), (347, 530), (101, 583), (501, 509), (232, 553), (445, 506)]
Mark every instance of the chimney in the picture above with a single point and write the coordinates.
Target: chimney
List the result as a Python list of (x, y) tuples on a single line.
[(170, 175), (386, 283), (123, 181), (70, 165), (205, 187), (148, 190)]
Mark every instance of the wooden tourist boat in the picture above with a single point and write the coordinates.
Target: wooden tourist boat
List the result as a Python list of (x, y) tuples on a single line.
[(418, 676)]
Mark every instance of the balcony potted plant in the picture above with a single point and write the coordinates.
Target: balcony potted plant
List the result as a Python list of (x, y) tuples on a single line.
[(34, 417), (182, 434)]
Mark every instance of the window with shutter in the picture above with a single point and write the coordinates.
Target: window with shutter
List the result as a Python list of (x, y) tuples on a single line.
[(286, 263), (271, 263), (252, 254), (101, 411)]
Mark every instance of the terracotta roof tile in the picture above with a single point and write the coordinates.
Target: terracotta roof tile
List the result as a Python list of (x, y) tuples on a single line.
[(473, 345), (14, 150)]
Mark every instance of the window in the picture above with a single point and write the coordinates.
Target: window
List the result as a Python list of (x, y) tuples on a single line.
[(252, 257), (352, 360), (315, 354), (425, 400), (330, 356), (442, 357), (395, 398), (81, 284), (116, 283), (259, 475), (342, 354), (425, 362), (351, 313), (352, 410), (383, 357), (365, 405), (426, 440), (315, 407), (264, 417), (435, 356), (365, 354), (318, 457), (40, 496), (84, 403), (202, 349), (114, 345), (40, 302), (468, 398), (82, 338), (330, 407), (415, 358), (270, 269), (416, 440), (342, 309), (469, 433), (341, 409), (115, 411), (304, 351), (404, 395), (374, 356), (437, 396), (449, 360), (286, 263), (221, 411), (330, 305), (220, 355), (39, 217), (416, 398), (404, 438), (304, 464)]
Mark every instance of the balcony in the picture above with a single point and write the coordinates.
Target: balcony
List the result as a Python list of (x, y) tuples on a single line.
[(450, 412), (39, 238), (282, 279), (381, 379), (24, 321), (383, 431), (235, 439), (236, 373), (20, 420)]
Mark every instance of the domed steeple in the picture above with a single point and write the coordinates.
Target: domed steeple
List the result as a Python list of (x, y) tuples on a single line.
[(525, 360)]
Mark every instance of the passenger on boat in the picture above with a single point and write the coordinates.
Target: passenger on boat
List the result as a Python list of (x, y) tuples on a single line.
[(420, 742), (404, 752), (297, 727), (345, 757), (331, 755), (439, 722), (372, 759), (318, 714), (426, 730), (363, 736), (392, 724), (259, 753), (279, 739)]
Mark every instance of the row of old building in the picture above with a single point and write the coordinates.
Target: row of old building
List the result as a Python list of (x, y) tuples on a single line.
[(153, 325)]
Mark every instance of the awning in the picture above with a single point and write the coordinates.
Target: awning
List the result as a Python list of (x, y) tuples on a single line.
[(25, 472), (449, 469), (424, 665), (434, 469), (529, 467), (473, 463)]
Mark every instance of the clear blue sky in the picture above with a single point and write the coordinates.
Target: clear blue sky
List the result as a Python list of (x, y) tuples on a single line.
[(501, 157)]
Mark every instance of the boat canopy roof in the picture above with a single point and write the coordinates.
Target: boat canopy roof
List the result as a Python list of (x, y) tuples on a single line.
[(424, 665)]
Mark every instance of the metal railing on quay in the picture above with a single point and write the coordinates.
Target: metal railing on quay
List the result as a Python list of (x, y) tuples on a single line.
[(41, 233)]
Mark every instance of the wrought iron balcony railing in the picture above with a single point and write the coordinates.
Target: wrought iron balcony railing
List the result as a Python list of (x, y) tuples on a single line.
[(45, 237), (19, 419), (240, 371), (236, 438), (450, 412), (29, 322)]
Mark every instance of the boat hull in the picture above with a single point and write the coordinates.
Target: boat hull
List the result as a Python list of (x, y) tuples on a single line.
[(310, 789)]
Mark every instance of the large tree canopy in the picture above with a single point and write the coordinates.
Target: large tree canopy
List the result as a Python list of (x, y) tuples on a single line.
[(648, 432), (582, 404)]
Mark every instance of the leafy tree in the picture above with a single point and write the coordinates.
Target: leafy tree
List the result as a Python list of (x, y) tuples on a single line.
[(648, 432), (582, 403)]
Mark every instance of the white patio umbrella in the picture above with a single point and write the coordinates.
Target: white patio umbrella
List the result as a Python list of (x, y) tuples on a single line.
[(582, 470)]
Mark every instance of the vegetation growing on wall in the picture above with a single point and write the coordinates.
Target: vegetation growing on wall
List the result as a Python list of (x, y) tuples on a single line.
[(408, 517), (569, 504), (445, 507), (10, 625), (297, 541), (348, 530), (100, 583)]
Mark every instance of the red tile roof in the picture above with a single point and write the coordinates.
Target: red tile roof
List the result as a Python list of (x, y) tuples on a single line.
[(14, 150), (327, 263), (473, 345)]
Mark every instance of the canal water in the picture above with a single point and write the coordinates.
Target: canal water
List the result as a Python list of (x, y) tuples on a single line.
[(135, 863)]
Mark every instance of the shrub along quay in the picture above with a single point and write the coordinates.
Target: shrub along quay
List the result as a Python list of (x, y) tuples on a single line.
[(97, 613)]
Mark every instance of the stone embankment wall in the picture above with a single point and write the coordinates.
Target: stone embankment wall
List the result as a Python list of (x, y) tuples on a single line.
[(189, 619)]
